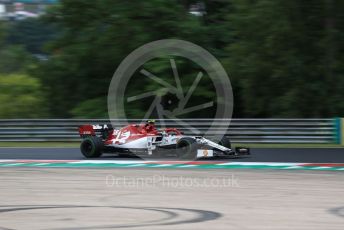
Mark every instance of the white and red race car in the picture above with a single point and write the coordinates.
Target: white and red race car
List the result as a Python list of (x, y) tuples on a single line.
[(146, 140)]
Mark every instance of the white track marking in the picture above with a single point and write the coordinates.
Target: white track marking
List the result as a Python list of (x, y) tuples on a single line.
[(135, 165), (42, 164), (322, 167), (260, 163), (105, 161), (294, 167), (162, 165), (186, 166), (12, 164), (6, 161)]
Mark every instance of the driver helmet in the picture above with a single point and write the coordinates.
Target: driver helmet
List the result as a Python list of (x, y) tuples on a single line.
[(151, 122)]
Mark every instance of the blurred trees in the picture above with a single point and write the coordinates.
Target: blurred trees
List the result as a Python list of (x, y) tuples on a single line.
[(32, 33), (21, 95), (14, 59), (284, 58), (97, 36)]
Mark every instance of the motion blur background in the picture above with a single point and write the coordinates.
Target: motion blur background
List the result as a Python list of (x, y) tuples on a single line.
[(284, 58)]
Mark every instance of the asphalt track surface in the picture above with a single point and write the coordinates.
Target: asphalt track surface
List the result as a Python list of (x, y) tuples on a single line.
[(302, 155)]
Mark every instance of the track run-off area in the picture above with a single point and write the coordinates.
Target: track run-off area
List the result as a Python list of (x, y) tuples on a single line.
[(159, 198), (56, 188)]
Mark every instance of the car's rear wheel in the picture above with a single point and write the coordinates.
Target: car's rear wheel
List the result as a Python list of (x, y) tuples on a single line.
[(92, 147), (187, 148)]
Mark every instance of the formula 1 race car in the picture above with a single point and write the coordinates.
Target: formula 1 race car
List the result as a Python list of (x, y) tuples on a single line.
[(146, 140)]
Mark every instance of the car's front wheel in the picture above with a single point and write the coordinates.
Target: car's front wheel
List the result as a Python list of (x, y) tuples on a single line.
[(92, 147), (187, 148)]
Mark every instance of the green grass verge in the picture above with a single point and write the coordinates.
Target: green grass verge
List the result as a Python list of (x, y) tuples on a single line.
[(77, 144)]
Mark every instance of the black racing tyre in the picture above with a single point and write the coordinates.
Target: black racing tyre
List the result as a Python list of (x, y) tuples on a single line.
[(187, 148), (92, 147), (225, 142)]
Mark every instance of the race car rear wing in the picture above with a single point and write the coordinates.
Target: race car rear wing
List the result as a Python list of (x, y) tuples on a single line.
[(92, 130)]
